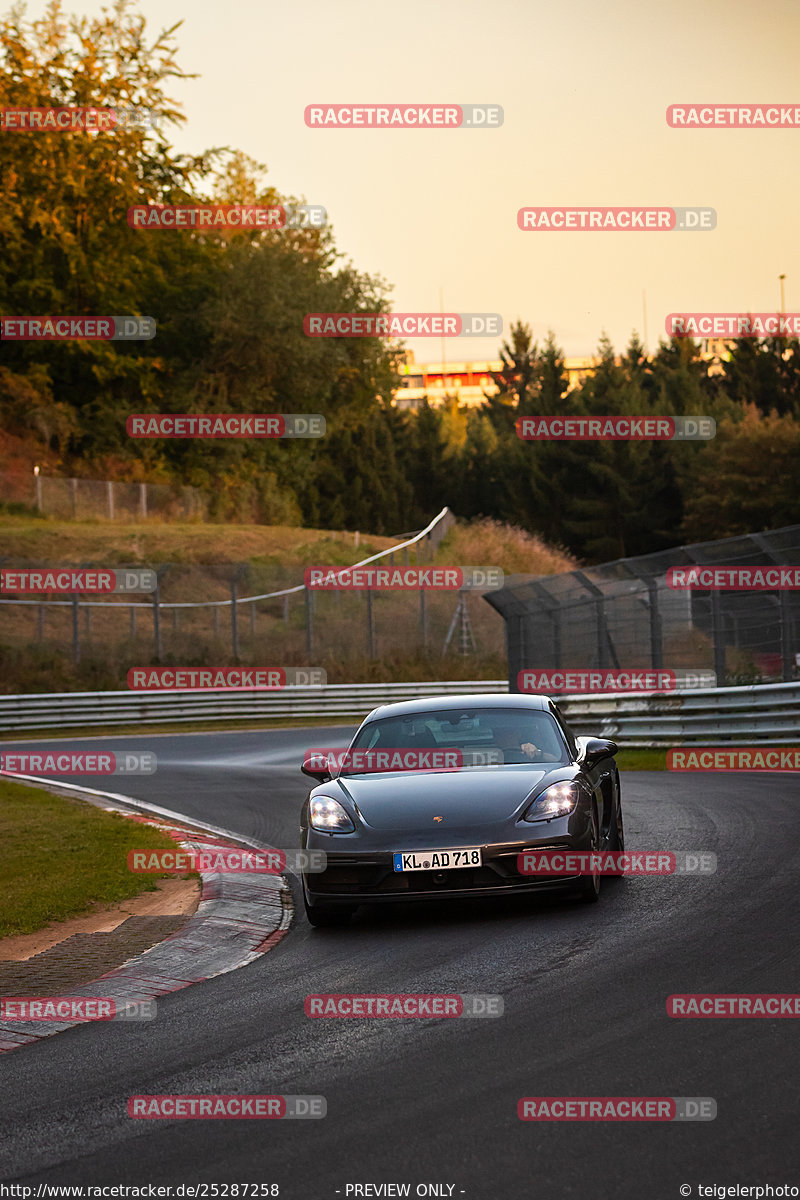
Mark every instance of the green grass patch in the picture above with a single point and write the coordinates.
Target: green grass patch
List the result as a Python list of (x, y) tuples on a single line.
[(59, 858), (642, 760), (149, 543)]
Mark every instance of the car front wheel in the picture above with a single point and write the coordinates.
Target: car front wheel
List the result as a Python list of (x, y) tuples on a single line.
[(589, 887)]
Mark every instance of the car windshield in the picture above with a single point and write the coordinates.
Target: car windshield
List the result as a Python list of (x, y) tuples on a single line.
[(455, 738)]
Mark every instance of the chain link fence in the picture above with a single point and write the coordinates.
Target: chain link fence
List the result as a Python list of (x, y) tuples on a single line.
[(623, 614), (253, 613), (100, 499)]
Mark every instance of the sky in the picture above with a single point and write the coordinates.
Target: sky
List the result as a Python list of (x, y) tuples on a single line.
[(584, 88)]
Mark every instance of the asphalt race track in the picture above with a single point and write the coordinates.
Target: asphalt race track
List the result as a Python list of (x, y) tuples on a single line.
[(434, 1101)]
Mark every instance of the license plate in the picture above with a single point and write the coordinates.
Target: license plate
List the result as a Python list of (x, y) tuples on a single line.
[(436, 860)]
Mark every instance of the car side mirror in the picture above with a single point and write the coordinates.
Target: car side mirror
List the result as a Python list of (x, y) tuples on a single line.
[(316, 766), (595, 749)]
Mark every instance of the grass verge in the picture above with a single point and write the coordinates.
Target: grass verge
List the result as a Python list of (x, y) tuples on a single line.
[(642, 760), (60, 857)]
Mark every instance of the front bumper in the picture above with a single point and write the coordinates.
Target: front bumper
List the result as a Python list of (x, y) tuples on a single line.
[(370, 878)]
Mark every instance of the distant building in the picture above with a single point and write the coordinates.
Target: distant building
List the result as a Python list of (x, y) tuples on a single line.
[(467, 382), (715, 351), (470, 382)]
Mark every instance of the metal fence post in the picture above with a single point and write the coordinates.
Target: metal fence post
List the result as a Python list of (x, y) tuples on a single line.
[(718, 635), (157, 622), (606, 650), (234, 621), (787, 641), (76, 637), (656, 641), (309, 622)]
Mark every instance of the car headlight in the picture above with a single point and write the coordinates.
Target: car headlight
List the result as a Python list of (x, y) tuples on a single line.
[(556, 801), (328, 816)]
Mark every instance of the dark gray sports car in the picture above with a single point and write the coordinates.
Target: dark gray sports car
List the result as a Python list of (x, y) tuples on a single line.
[(437, 798)]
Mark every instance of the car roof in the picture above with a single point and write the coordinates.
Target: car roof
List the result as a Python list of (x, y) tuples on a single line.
[(498, 700)]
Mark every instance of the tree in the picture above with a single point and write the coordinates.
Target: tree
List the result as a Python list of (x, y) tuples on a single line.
[(517, 378), (746, 479), (67, 248)]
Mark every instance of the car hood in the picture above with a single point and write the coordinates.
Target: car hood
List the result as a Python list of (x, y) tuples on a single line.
[(410, 799)]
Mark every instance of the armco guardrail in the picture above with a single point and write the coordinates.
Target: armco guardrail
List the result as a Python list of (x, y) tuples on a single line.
[(764, 714), (767, 714), (71, 710)]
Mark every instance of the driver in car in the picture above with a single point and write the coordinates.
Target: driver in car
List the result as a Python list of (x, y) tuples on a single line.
[(514, 738)]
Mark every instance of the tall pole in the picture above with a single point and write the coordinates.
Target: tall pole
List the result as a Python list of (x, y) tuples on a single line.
[(441, 311), (644, 317), (783, 299)]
